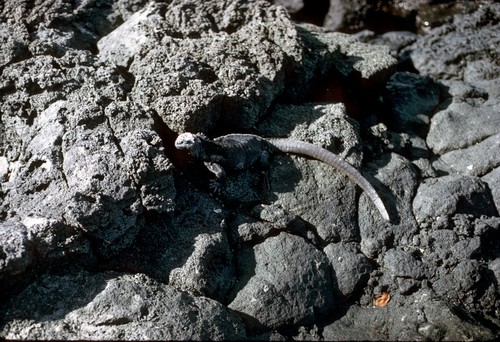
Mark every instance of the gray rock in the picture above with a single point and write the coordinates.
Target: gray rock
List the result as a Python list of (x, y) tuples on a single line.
[(189, 250), (122, 51), (436, 243), (269, 336), (494, 266), (395, 40), (466, 249), (452, 194), (474, 117), (485, 74), (37, 244), (493, 181), (397, 177), (16, 252), (341, 59), (308, 334), (14, 39), (354, 59), (486, 225), (469, 38), (221, 58), (346, 15), (412, 99), (126, 8), (292, 6), (408, 144), (144, 155), (462, 125), (53, 28), (351, 269), (458, 281), (50, 41), (40, 244), (443, 321), (110, 306), (455, 91), (73, 168), (424, 318), (476, 160), (450, 259), (286, 281), (199, 80), (208, 270), (247, 229), (400, 263), (4, 169)]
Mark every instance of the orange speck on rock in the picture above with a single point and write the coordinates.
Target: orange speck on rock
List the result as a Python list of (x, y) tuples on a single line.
[(382, 300)]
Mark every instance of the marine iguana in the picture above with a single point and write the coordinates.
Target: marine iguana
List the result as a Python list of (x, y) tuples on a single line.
[(242, 151)]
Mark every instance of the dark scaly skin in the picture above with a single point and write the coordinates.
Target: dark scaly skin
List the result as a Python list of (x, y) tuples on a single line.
[(243, 151)]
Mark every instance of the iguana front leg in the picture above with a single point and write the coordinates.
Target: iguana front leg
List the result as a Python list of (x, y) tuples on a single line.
[(264, 166), (220, 176), (264, 160)]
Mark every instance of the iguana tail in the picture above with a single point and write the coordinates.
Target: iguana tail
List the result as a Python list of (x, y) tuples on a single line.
[(327, 157)]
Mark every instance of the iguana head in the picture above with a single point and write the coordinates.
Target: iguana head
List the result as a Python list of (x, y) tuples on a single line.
[(194, 143)]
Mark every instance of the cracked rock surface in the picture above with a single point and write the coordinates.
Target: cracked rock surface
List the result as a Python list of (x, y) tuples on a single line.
[(108, 232)]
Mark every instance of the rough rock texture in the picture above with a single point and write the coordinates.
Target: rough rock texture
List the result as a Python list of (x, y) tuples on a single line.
[(107, 232), (204, 68), (424, 318), (189, 250), (463, 194), (436, 55), (285, 281), (351, 268), (381, 16), (109, 306), (475, 160), (413, 100), (493, 179)]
